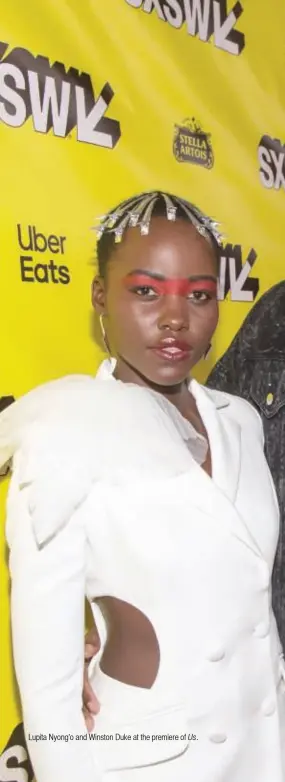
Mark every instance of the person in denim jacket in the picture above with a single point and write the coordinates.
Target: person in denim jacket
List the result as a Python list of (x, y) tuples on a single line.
[(254, 368)]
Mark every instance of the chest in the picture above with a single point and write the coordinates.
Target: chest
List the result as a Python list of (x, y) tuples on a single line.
[(157, 529)]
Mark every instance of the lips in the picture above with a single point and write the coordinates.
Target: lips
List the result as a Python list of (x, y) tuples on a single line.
[(173, 350)]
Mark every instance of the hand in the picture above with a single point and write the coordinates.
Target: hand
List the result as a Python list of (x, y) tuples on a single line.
[(91, 705)]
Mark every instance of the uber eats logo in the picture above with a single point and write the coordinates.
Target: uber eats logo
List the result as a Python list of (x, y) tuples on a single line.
[(55, 98), (52, 270)]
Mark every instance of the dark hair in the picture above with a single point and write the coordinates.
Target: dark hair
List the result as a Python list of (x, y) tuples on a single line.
[(140, 210)]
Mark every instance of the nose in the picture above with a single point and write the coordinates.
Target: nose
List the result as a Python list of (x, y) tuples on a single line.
[(174, 314)]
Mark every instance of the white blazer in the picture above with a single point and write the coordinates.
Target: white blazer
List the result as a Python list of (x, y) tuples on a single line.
[(107, 499)]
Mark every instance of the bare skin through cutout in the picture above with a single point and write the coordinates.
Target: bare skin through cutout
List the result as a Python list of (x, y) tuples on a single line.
[(131, 653)]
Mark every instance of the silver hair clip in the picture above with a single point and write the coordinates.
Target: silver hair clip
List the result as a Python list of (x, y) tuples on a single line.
[(205, 226), (202, 231), (147, 216), (216, 234), (171, 213), (195, 220), (138, 211), (111, 220), (211, 226), (106, 222), (171, 209), (120, 228), (99, 231), (134, 218), (145, 228)]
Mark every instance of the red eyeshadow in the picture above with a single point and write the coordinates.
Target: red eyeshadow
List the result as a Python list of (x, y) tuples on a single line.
[(172, 287)]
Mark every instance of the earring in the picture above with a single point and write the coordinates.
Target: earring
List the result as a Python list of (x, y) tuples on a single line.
[(207, 351), (104, 335)]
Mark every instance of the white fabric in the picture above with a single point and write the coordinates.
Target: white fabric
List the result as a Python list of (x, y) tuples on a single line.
[(107, 499)]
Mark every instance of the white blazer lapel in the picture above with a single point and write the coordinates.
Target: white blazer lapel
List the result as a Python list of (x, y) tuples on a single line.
[(224, 436), (225, 440), (215, 496)]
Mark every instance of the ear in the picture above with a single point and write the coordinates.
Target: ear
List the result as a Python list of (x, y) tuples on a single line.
[(98, 295)]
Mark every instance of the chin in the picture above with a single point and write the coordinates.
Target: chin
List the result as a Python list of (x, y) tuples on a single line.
[(169, 375), (160, 373)]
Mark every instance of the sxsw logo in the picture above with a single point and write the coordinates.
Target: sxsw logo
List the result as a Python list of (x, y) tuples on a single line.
[(271, 158), (204, 19), (15, 765), (235, 274), (55, 98)]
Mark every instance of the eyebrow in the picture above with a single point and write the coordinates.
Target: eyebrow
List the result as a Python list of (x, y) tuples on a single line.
[(157, 276)]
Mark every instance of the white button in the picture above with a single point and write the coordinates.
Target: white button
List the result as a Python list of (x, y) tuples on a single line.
[(261, 630), (268, 707), (218, 738), (217, 653)]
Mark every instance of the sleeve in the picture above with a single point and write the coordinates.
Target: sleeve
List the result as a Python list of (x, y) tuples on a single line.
[(256, 418), (47, 614), (227, 374)]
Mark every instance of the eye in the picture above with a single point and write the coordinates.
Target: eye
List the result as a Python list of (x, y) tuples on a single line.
[(144, 291), (200, 297)]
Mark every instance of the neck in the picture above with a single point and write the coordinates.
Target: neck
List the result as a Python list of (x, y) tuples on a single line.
[(178, 394)]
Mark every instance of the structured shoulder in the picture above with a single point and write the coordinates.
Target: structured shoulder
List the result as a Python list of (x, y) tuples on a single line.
[(45, 436), (235, 407), (114, 417), (245, 414), (66, 435), (45, 404)]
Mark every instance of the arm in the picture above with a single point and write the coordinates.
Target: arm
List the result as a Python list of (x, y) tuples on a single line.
[(47, 609)]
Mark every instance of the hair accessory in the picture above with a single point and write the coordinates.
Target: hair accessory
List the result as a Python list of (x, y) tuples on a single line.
[(138, 211), (121, 225), (134, 218), (202, 231), (112, 219), (171, 213), (99, 231), (171, 209), (147, 215)]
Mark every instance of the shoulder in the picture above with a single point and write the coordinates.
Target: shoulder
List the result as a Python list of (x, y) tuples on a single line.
[(43, 404), (66, 403), (48, 434), (270, 305), (273, 298), (69, 434), (238, 409)]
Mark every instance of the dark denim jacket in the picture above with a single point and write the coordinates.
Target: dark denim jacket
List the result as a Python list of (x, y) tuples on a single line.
[(254, 367)]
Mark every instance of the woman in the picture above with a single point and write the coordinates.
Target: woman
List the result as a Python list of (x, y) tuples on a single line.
[(152, 497)]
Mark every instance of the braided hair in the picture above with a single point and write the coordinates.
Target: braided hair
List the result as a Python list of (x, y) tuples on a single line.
[(139, 211)]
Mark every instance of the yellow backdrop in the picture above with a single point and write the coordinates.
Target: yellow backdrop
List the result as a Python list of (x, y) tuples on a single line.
[(99, 101)]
